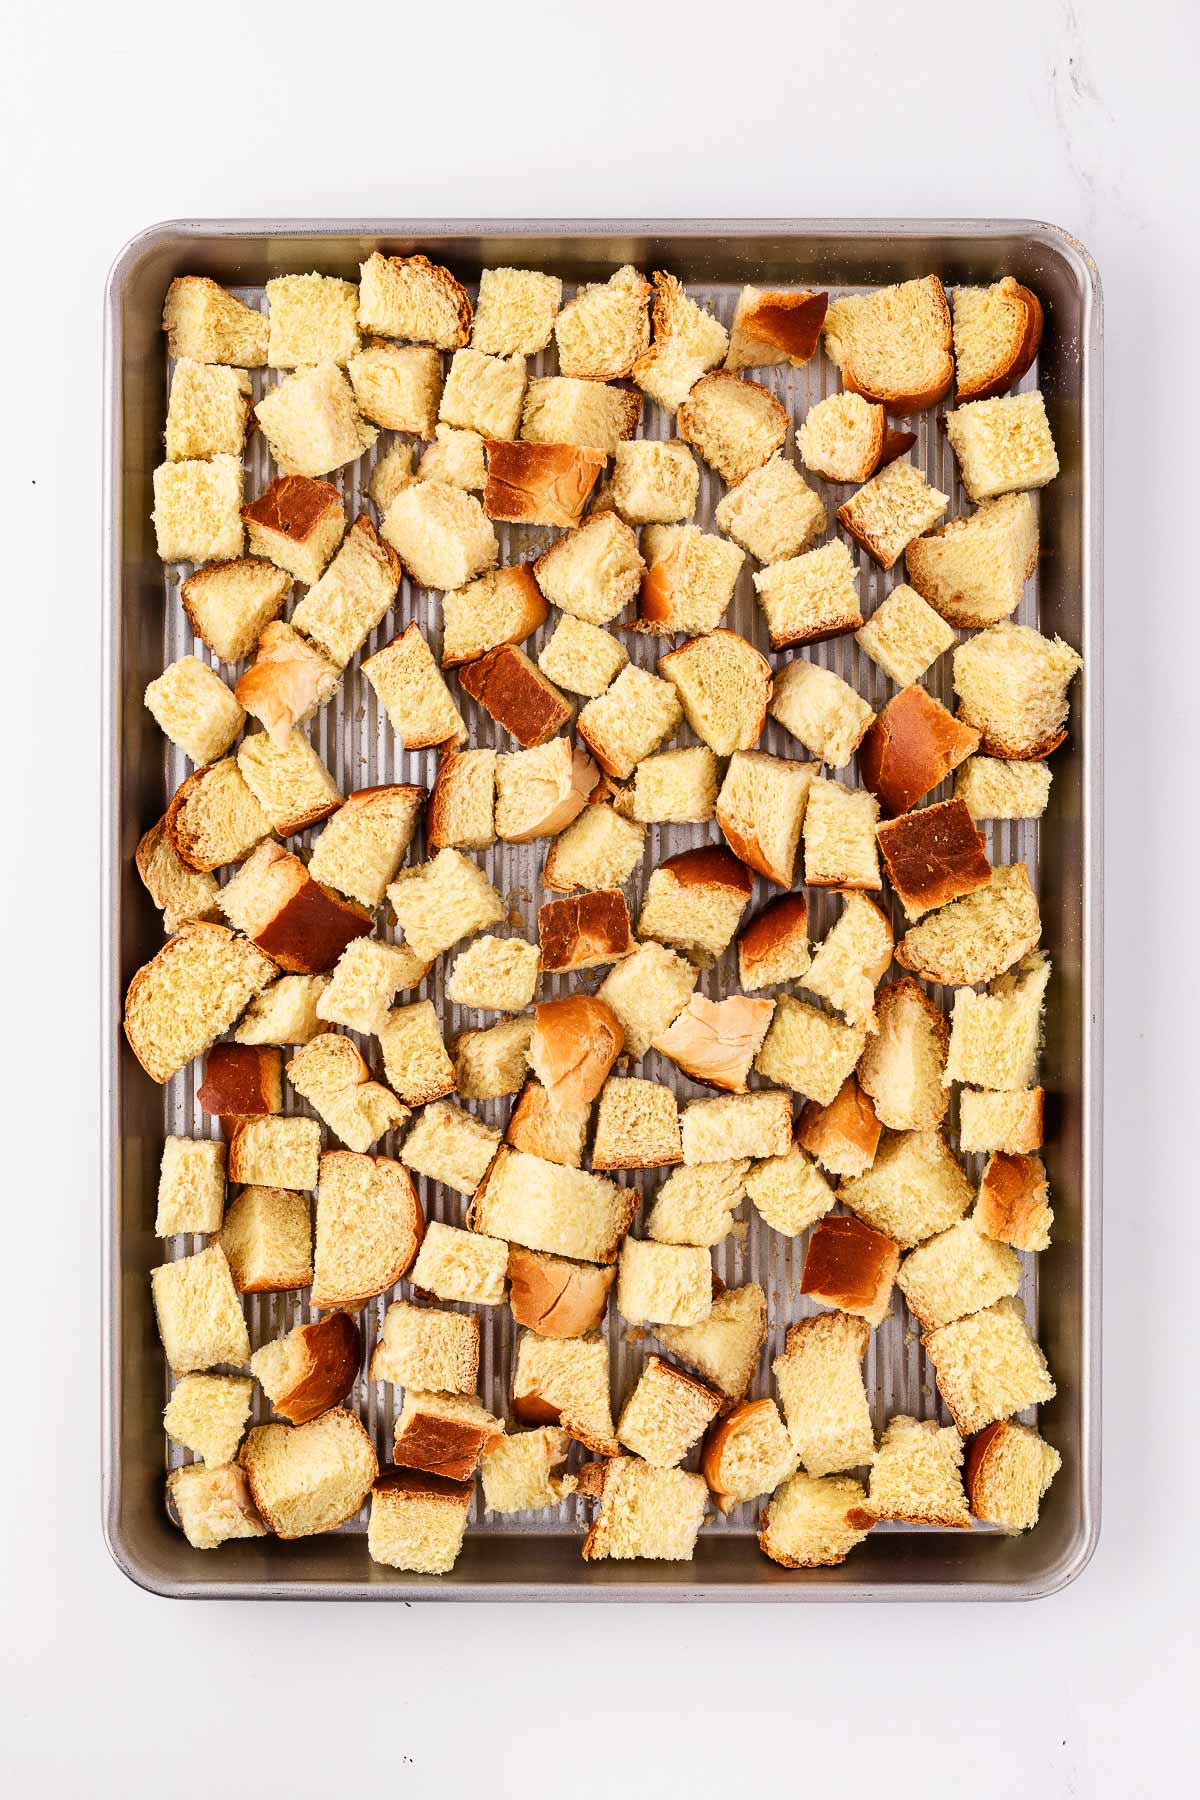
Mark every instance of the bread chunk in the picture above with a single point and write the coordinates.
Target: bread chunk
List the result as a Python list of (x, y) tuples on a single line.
[(593, 572), (820, 1383), (369, 1228), (297, 523), (688, 342), (461, 1265), (418, 1522), (1009, 1470), (997, 333), (843, 1136), (398, 386), (502, 607), (443, 900), (736, 1125), (914, 1188), (554, 1297), (893, 345), (414, 694), (289, 680), (241, 1079), (973, 571), (808, 1050), (207, 411), (342, 609), (213, 1505), (496, 974), (313, 319), (267, 1238), (695, 900), (575, 1042), (559, 409), (312, 423), (978, 937), (544, 1206), (734, 424), (988, 1366), (199, 1314), (747, 1454), (654, 482), (515, 311), (916, 1476), (646, 991), (391, 472), (933, 856), (442, 534), (995, 1037), (666, 1414), (207, 1414), (629, 722), (599, 849), (894, 507), (332, 1075), (1011, 1122), (462, 806), (846, 967), (198, 509), (724, 1347), (637, 1125), (284, 1013), (425, 1348), (774, 326), (309, 1478), (675, 787), (301, 925), (523, 1473), (491, 1063), (788, 1192), (451, 1146), (993, 789), (847, 438), (186, 996), (289, 781), (810, 597), (902, 1067), (603, 330), (1002, 445), (958, 1272), (696, 1206), (414, 1055), (1012, 684), (517, 695), (582, 658), (911, 748), (851, 1267), (191, 1187), (585, 930), (646, 1513), (555, 1132), (806, 1525), (689, 581), (760, 810), (484, 393), (724, 685), (229, 604), (362, 847), (1014, 1202), (410, 297), (904, 636), (311, 1369), (204, 322), (270, 1152), (774, 945), (457, 457), (715, 1042), (539, 484), (820, 709), (540, 792), (564, 1381)]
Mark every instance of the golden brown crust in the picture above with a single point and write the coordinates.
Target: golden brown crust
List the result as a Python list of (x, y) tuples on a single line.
[(1021, 360), (555, 1297), (517, 577), (421, 1485), (287, 681), (850, 1266), (293, 506), (517, 695), (531, 1127), (848, 1121), (775, 927), (790, 322), (934, 855), (575, 1042), (539, 484), (661, 582), (720, 1439), (332, 1349), (448, 1447), (710, 865), (585, 929), (173, 947), (311, 926), (240, 1079), (1013, 1202), (895, 444), (175, 822), (1010, 752), (911, 746)]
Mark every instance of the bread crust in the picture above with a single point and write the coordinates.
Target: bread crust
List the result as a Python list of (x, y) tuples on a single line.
[(421, 1485), (333, 1350), (582, 930), (790, 322), (555, 1297), (533, 609), (848, 1119), (774, 928), (293, 506), (710, 865), (911, 746), (1013, 1200), (575, 1042), (1021, 358), (539, 484), (240, 1079), (850, 1266), (310, 924), (746, 652), (517, 695), (1009, 751), (720, 1440), (446, 1447), (934, 855), (452, 291)]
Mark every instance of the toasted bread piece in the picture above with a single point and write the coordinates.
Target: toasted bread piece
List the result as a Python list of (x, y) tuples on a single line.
[(933, 856), (540, 792), (393, 471), (267, 1238), (309, 1478), (191, 1187), (207, 412), (494, 974), (675, 787), (689, 581), (186, 996), (297, 523), (414, 694), (839, 836), (443, 900), (654, 482), (484, 393), (1012, 686), (959, 1271), (398, 386), (582, 658), (646, 991), (760, 810), (902, 1067), (994, 789), (539, 484), (820, 1383), (559, 409), (775, 326), (904, 636), (916, 1477), (774, 945), (695, 900), (788, 1192), (1011, 1121), (997, 334), (1009, 1469), (313, 319), (368, 976), (772, 512), (522, 1473), (807, 1524), (1002, 445), (628, 722), (362, 847), (688, 341), (847, 438), (911, 747), (441, 534), (1014, 1202), (914, 1188), (198, 1312), (207, 1414), (204, 322), (213, 1505), (843, 1136), (747, 1454), (593, 572), (301, 925), (973, 571), (724, 685), (418, 1521), (978, 937), (564, 1381), (808, 1050), (554, 1297), (180, 893), (312, 423), (333, 1077), (602, 331), (462, 806), (502, 607), (696, 1205), (289, 680), (988, 1366), (414, 1055), (724, 1347), (893, 345), (585, 930), (461, 1265), (737, 1125), (555, 1132), (995, 1037), (810, 597), (289, 781), (820, 709), (456, 457), (847, 965), (410, 297), (666, 1414), (311, 1369), (271, 1152), (342, 609), (715, 1042), (600, 849), (426, 1348), (229, 604), (734, 424), (451, 1146), (515, 311), (894, 507), (646, 1512), (517, 695), (637, 1125), (576, 1040), (198, 510), (546, 1206), (240, 1079), (491, 1063), (369, 1228)]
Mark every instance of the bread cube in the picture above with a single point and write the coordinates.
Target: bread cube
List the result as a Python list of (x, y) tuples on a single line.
[(1009, 1470), (205, 323), (312, 423), (646, 991), (696, 1205), (198, 509), (287, 682), (522, 1473), (820, 709), (340, 611), (414, 1055), (1002, 445), (905, 636), (846, 438), (515, 311), (724, 1347), (688, 342), (809, 1050), (313, 319), (995, 1037), (914, 1189), (363, 845), (369, 1228), (451, 1146), (207, 1414), (366, 980), (199, 1314), (564, 1381), (1012, 684), (298, 523), (207, 412), (484, 393), (993, 789), (461, 1265), (560, 410), (822, 1393), (637, 1126), (214, 1505), (191, 1187), (843, 1136), (291, 784), (276, 902), (576, 1040), (229, 604), (675, 787), (694, 901), (895, 507), (668, 1284), (422, 1347), (457, 457), (555, 1132), (398, 386), (332, 1075), (646, 1512), (443, 900), (554, 1297), (917, 1476), (690, 579), (760, 810), (462, 806), (840, 848), (654, 482), (974, 570), (978, 937), (539, 484), (772, 512), (605, 327), (496, 974), (1014, 1202), (418, 1522), (736, 1125), (1010, 1122), (749, 1453), (788, 1192), (988, 1366), (267, 1238), (502, 607), (734, 424), (179, 892), (666, 1414), (410, 297), (594, 571), (407, 679), (309, 1478), (810, 597), (715, 1041), (274, 1152), (284, 1013), (312, 1368), (393, 471), (182, 1000), (846, 968), (491, 1063), (775, 327), (517, 695), (630, 720), (442, 534), (582, 658), (958, 1272), (774, 946), (902, 1067), (910, 749), (547, 1206), (893, 345)]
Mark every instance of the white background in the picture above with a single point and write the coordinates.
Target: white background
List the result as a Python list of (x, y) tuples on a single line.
[(115, 116)]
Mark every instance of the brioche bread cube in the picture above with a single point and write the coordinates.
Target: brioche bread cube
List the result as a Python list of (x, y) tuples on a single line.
[(539, 484), (496, 974), (843, 1136), (760, 810), (441, 533), (418, 1521), (309, 1478), (1012, 686), (847, 438), (654, 482), (204, 322), (207, 412), (584, 930), (902, 1067), (267, 1238), (409, 683), (1011, 1121), (694, 901), (754, 1125), (910, 748), (646, 991), (341, 609), (646, 1512), (904, 635), (461, 1265), (594, 571), (546, 1206), (501, 607), (1014, 1202), (311, 1369), (453, 1147), (914, 1189), (240, 1079), (1002, 445), (575, 1042), (689, 580), (273, 1152), (959, 1271), (198, 509), (628, 722), (414, 1055), (297, 523), (637, 1125), (559, 409), (821, 1389), (515, 311), (541, 791), (398, 386), (313, 319), (973, 571), (581, 657), (1009, 1469), (333, 1077), (997, 332), (186, 996), (492, 1062), (517, 695), (808, 1050), (598, 850), (393, 471), (810, 597), (820, 709), (846, 967), (893, 508), (555, 1297), (207, 1414), (772, 512), (229, 604), (457, 457), (806, 1525), (724, 1347), (916, 1477), (775, 327), (747, 1454), (523, 1473), (696, 1205), (774, 945), (369, 1228), (993, 789), (425, 1348), (462, 806), (180, 893), (839, 836), (303, 926), (484, 393), (410, 297), (199, 1314), (312, 423), (893, 345), (851, 1267), (995, 1037), (605, 327), (988, 1366), (564, 1381), (715, 1042), (788, 1192), (362, 847), (285, 1012), (214, 1505), (191, 1187), (666, 1414), (688, 342), (675, 787), (724, 685), (289, 781), (978, 937), (556, 1133), (734, 424), (934, 855), (287, 682)]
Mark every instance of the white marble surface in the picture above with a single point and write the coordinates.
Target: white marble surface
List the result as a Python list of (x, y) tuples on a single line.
[(113, 117)]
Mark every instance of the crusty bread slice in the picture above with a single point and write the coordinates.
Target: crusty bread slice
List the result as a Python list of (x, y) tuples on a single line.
[(820, 1383), (715, 1041), (806, 1525), (646, 1512), (724, 1347), (369, 1228), (847, 438), (666, 1414), (988, 1366), (973, 571), (724, 685), (916, 1477), (311, 1369), (734, 424), (903, 1064), (893, 345), (1012, 684), (576, 1040), (978, 937), (910, 748), (688, 342), (1009, 1469), (959, 1271), (564, 1381), (241, 1079), (646, 991), (426, 1348), (914, 1188), (207, 1414), (203, 321), (997, 334), (410, 297), (511, 687), (760, 810), (775, 326), (418, 1521), (309, 1478), (194, 989)]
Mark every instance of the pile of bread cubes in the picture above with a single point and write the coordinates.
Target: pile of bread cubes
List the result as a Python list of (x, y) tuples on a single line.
[(290, 953)]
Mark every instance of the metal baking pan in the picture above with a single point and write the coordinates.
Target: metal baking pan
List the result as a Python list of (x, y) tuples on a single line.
[(538, 1558)]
